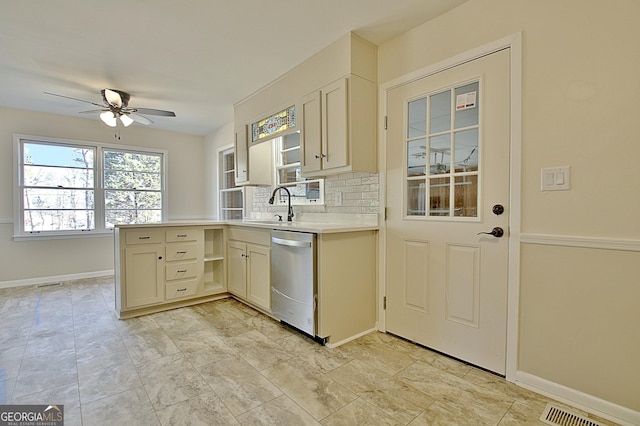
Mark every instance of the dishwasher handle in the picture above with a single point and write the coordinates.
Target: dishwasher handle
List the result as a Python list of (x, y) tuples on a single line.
[(290, 243)]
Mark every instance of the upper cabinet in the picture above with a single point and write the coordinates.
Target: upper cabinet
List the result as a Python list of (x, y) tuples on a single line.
[(335, 92), (241, 156), (338, 132), (253, 163)]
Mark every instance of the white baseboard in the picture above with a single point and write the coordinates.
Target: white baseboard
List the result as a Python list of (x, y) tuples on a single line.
[(56, 278), (591, 404), (348, 339)]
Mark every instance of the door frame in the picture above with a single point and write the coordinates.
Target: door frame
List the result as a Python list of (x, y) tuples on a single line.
[(514, 43)]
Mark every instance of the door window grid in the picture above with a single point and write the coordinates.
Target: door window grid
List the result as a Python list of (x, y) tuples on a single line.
[(438, 125)]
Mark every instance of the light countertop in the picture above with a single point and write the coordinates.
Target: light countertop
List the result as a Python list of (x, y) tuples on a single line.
[(318, 227)]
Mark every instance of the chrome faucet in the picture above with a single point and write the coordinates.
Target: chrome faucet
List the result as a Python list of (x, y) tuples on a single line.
[(290, 209)]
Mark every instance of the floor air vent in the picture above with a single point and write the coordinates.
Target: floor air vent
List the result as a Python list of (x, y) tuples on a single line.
[(553, 415)]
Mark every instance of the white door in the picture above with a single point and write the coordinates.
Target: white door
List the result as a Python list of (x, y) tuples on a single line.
[(447, 171)]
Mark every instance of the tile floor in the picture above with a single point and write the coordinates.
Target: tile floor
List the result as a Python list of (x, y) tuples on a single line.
[(224, 363)]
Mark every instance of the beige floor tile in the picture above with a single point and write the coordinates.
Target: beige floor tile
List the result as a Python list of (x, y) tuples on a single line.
[(388, 393), (131, 407), (108, 381), (278, 411), (43, 372), (239, 386), (202, 410), (360, 412), (225, 363), (314, 391)]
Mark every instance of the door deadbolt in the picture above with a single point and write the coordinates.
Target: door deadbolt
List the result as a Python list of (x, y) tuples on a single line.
[(498, 209)]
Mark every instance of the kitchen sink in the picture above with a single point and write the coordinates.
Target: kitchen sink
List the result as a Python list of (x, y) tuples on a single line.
[(271, 222)]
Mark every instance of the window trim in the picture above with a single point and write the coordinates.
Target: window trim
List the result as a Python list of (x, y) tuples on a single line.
[(99, 202), (221, 152), (276, 145)]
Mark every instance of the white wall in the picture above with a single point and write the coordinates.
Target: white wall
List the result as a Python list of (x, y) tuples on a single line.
[(32, 261), (579, 311)]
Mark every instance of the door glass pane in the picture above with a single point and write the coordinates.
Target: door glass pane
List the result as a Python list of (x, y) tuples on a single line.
[(450, 152), (440, 114), (417, 158), (440, 154), (466, 196), (416, 194), (467, 101), (417, 118), (439, 197), (466, 150)]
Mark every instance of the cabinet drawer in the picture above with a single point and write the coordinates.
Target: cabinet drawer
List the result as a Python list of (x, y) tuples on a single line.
[(178, 271), (250, 235), (182, 234), (177, 251), (181, 289), (150, 236)]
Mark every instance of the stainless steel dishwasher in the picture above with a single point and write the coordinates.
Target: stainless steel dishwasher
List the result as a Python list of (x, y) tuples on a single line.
[(293, 279)]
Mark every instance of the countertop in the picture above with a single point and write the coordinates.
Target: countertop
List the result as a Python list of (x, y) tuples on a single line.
[(303, 226)]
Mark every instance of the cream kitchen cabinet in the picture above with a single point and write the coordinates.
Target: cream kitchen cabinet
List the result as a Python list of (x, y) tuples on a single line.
[(338, 131), (347, 277), (241, 155), (249, 265), (143, 267), (162, 267), (253, 161)]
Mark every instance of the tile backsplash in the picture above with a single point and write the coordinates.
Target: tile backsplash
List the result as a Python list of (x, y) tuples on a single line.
[(356, 193)]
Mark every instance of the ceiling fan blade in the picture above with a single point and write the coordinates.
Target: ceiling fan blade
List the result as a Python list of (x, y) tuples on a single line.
[(151, 111), (93, 111), (139, 118), (75, 99), (113, 98)]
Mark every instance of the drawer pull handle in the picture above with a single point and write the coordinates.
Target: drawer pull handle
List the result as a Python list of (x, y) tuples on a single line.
[(181, 235), (182, 289), (181, 252), (144, 238), (182, 271)]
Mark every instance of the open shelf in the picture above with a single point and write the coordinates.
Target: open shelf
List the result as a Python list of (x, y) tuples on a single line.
[(214, 260)]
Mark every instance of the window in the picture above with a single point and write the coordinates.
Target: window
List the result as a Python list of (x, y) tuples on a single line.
[(442, 140), (303, 191), (132, 187), (231, 196), (70, 188)]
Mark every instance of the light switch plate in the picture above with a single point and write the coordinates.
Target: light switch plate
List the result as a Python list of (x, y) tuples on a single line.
[(555, 178)]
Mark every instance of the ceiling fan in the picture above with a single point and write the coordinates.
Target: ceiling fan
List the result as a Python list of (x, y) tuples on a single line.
[(116, 106)]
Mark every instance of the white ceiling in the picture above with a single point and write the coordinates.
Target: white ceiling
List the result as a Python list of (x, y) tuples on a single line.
[(195, 57)]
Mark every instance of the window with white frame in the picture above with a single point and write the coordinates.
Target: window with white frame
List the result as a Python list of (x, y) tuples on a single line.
[(287, 161), (69, 188), (231, 196)]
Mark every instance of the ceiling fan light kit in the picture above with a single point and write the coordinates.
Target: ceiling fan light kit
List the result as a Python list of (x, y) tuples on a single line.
[(116, 106)]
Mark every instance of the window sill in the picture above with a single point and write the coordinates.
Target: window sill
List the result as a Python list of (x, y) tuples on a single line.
[(62, 236)]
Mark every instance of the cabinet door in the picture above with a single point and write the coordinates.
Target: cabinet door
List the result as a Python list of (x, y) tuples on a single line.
[(241, 156), (237, 268), (144, 275), (335, 122), (259, 275), (311, 133)]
